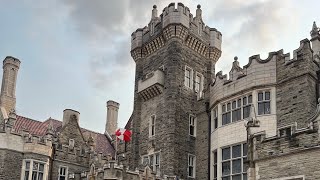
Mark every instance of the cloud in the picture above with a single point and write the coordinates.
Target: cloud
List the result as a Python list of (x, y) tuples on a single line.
[(251, 27)]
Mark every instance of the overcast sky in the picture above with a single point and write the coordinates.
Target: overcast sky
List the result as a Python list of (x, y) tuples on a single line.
[(76, 53)]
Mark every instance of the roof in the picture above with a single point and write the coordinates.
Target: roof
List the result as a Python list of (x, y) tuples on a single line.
[(38, 128)]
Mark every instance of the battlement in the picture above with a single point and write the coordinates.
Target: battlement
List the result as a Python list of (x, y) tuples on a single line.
[(176, 23), (9, 60)]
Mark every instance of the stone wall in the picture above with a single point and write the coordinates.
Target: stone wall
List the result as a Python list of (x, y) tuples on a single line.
[(296, 86), (10, 164)]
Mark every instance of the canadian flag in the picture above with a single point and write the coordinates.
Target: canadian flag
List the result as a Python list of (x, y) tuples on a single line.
[(123, 134)]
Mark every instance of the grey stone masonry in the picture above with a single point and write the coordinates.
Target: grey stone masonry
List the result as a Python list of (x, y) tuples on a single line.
[(296, 86), (172, 42)]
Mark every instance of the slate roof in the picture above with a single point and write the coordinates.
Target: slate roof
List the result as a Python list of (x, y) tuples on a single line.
[(38, 128)]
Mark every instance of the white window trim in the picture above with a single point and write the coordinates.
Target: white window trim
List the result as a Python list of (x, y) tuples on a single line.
[(194, 165), (194, 125), (45, 169), (191, 77), (291, 177), (154, 126), (67, 172)]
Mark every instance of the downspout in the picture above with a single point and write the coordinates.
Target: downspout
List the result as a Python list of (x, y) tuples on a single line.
[(209, 138)]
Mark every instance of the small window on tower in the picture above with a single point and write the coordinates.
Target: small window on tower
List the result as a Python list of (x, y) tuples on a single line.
[(188, 77), (192, 125), (152, 127)]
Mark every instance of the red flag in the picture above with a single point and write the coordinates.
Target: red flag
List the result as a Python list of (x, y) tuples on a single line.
[(123, 134)]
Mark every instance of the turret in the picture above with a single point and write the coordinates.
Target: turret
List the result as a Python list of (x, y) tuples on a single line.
[(315, 38), (11, 67), (112, 117)]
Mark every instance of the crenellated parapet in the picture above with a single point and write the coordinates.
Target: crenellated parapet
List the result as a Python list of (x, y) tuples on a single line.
[(276, 68), (176, 23)]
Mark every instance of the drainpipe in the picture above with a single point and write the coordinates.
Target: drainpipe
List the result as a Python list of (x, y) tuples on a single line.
[(209, 137)]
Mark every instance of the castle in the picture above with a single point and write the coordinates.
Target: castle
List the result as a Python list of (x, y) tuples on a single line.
[(261, 122)]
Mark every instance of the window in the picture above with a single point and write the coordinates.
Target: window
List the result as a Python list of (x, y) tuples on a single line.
[(63, 172), (215, 118), (154, 162), (264, 102), (71, 143), (246, 101), (215, 162), (191, 166), (236, 110), (233, 162), (198, 83), (188, 77), (226, 113), (152, 127), (192, 125), (33, 170)]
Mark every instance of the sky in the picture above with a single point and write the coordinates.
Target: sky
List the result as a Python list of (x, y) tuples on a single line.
[(75, 54)]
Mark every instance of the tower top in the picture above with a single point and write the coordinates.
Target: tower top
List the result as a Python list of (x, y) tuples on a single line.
[(12, 60), (176, 23)]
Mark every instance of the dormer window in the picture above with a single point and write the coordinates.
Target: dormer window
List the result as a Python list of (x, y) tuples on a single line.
[(71, 143)]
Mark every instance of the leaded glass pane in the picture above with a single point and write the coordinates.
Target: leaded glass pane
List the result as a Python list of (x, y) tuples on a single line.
[(260, 108), (236, 151), (236, 177), (250, 99), (267, 108), (236, 166), (245, 149), (267, 95), (225, 168), (226, 153), (41, 167), (260, 96), (226, 178)]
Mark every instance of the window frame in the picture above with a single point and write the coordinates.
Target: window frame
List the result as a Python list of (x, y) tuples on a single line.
[(264, 101), (192, 124), (215, 118), (215, 165), (232, 159), (66, 172), (152, 158), (193, 165), (188, 78), (30, 170)]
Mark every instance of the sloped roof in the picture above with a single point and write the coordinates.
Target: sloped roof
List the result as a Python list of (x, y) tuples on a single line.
[(38, 128)]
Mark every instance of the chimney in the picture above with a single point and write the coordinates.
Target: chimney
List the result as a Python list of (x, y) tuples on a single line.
[(112, 117), (70, 115), (11, 67)]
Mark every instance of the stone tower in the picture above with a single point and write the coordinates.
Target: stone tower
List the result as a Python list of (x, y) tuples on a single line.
[(8, 89), (112, 117), (175, 57)]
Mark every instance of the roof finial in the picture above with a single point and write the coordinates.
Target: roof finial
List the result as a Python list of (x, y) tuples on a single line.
[(315, 30), (235, 58)]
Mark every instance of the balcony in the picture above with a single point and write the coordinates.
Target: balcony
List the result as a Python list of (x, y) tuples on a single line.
[(151, 85)]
